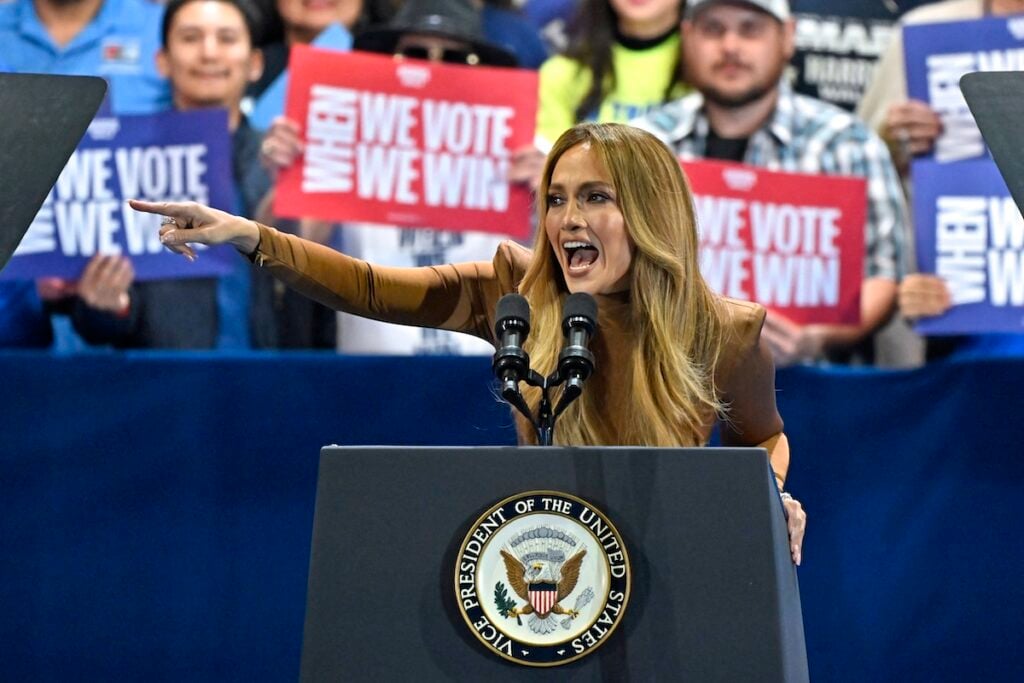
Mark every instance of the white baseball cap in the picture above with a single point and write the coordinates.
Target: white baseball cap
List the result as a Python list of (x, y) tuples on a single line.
[(777, 8)]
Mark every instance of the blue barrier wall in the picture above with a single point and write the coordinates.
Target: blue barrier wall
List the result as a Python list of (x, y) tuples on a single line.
[(157, 508)]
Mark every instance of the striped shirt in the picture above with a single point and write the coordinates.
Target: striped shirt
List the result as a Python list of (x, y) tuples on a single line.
[(807, 135)]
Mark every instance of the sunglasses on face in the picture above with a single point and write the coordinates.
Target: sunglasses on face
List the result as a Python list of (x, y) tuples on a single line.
[(436, 53)]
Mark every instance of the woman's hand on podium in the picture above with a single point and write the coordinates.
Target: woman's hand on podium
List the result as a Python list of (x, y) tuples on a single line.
[(191, 223), (796, 519)]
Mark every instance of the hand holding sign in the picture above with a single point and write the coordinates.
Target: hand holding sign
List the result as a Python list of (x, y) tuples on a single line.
[(938, 54), (970, 235), (197, 224), (527, 167), (105, 282), (911, 128), (281, 146), (922, 295), (791, 342)]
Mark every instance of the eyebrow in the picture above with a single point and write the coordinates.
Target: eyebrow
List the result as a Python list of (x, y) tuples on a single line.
[(203, 27), (589, 185)]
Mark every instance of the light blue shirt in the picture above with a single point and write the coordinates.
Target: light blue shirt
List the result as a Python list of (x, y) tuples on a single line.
[(119, 44)]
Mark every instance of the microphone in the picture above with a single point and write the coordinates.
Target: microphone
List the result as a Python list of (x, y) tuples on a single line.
[(511, 363), (576, 362)]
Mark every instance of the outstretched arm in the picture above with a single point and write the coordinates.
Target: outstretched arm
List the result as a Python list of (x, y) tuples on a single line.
[(457, 297)]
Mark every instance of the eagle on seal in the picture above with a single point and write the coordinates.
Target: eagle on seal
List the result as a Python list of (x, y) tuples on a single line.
[(543, 584)]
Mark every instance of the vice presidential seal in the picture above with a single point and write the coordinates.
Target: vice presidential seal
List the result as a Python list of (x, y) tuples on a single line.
[(542, 578)]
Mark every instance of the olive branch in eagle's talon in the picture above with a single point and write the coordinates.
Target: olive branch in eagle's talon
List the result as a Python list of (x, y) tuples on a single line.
[(506, 607)]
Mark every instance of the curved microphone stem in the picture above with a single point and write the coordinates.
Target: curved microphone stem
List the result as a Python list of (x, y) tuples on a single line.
[(510, 392), (545, 421), (571, 392)]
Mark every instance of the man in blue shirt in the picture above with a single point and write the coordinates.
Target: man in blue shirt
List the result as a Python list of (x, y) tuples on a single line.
[(115, 39), (209, 58)]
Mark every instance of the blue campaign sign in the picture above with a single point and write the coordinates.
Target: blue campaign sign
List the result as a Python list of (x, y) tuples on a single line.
[(937, 55), (174, 156), (970, 233)]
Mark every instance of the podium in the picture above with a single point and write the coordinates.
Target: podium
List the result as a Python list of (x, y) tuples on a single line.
[(714, 593)]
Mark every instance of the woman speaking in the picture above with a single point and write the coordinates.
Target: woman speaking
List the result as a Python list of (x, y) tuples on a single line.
[(617, 222)]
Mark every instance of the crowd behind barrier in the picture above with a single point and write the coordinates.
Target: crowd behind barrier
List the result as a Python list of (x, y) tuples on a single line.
[(636, 55), (158, 507)]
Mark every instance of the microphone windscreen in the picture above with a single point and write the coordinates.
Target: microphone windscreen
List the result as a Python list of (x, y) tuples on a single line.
[(579, 305), (513, 306)]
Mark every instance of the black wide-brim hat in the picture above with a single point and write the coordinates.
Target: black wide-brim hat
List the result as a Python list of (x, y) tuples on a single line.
[(452, 19)]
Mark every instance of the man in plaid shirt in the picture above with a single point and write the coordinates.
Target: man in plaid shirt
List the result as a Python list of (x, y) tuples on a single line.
[(735, 53)]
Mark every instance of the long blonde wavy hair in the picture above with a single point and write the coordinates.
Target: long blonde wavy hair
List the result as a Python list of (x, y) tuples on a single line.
[(673, 313)]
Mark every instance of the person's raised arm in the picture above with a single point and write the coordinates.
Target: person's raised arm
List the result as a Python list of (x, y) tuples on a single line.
[(457, 297)]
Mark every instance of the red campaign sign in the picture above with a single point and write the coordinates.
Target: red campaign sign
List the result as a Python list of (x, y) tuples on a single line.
[(406, 142), (791, 242)]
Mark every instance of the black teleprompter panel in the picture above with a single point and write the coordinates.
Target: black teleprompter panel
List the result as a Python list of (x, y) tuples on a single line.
[(996, 100), (42, 119)]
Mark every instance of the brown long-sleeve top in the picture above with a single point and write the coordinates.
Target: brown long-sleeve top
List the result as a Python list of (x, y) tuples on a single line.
[(462, 297)]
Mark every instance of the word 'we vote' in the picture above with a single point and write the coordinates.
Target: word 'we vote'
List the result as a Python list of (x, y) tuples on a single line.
[(777, 254), (88, 209), (402, 149)]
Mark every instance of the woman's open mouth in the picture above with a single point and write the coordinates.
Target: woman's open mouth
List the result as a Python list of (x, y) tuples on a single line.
[(580, 256)]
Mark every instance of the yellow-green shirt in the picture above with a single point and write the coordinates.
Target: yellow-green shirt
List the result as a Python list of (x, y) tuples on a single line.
[(641, 77)]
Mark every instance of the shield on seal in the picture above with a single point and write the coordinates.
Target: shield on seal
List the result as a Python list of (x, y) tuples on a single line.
[(543, 597)]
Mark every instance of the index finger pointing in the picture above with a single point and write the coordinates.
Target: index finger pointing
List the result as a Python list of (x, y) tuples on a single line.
[(172, 209)]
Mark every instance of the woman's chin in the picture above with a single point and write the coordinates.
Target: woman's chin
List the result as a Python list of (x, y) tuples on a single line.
[(582, 286)]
